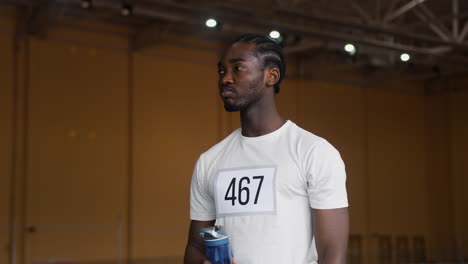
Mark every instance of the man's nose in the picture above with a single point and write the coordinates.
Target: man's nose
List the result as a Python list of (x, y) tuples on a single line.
[(226, 78)]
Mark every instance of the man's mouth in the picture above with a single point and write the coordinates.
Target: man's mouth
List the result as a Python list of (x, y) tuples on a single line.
[(226, 93)]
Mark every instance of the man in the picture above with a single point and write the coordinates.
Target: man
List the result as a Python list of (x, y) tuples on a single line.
[(278, 190)]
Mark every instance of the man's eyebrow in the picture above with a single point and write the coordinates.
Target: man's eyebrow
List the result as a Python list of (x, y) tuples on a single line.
[(220, 64), (236, 60)]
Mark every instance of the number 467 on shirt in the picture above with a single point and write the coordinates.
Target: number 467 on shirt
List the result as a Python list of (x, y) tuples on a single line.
[(246, 191)]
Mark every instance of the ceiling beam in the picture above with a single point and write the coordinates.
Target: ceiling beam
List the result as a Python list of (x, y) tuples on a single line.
[(314, 33), (249, 23), (184, 14), (304, 45), (252, 24), (138, 10), (361, 12), (447, 18), (463, 33), (295, 3), (378, 10), (440, 50), (455, 10), (432, 25), (403, 10), (371, 28), (250, 20), (435, 20), (390, 9)]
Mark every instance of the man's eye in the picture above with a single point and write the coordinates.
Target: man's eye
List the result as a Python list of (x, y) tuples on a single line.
[(238, 68), (220, 71)]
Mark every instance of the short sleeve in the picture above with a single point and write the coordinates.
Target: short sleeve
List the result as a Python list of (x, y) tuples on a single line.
[(202, 205), (326, 177)]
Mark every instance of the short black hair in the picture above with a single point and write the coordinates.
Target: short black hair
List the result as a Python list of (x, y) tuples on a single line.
[(269, 51)]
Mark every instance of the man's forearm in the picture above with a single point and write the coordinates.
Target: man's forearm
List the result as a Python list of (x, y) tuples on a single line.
[(331, 228), (194, 253), (195, 250)]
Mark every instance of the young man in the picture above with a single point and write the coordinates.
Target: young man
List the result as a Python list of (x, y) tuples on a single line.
[(278, 190)]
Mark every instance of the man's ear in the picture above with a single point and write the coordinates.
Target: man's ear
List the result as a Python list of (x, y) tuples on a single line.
[(272, 76)]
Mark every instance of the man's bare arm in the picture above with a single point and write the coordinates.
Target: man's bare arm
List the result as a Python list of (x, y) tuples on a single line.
[(331, 228), (195, 249)]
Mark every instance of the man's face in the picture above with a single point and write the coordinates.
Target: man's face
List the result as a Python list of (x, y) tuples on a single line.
[(241, 77)]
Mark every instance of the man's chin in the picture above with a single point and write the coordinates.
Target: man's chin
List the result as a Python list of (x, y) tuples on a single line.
[(231, 108)]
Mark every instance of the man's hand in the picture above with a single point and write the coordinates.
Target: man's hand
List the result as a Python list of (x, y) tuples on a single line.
[(331, 228), (195, 249)]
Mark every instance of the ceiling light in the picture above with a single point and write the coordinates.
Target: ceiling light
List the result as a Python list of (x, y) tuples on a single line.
[(126, 10), (211, 23), (86, 4), (274, 34), (350, 49), (405, 57)]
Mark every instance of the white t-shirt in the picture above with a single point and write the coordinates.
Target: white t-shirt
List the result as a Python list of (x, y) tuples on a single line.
[(262, 189)]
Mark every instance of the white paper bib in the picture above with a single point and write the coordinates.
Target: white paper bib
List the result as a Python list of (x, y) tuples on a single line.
[(245, 191)]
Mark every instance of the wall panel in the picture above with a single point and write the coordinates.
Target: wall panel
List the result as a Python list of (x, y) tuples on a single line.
[(6, 140), (398, 184), (176, 118), (439, 178), (77, 152), (459, 168)]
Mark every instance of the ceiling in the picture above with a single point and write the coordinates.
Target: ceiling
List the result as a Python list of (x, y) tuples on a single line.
[(433, 32)]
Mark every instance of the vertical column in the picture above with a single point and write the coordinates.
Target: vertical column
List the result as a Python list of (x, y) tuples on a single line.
[(130, 154)]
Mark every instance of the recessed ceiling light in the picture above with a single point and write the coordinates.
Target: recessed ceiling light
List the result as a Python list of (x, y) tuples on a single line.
[(211, 23), (405, 57)]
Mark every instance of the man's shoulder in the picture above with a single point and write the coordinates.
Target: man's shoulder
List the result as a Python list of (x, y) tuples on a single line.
[(304, 136), (219, 147), (309, 141)]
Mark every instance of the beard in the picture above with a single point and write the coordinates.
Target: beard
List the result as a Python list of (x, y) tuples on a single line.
[(231, 107), (243, 105)]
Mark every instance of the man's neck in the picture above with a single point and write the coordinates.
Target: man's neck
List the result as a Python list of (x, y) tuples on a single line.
[(260, 121)]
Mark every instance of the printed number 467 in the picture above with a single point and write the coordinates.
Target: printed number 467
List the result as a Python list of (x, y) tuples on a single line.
[(243, 190)]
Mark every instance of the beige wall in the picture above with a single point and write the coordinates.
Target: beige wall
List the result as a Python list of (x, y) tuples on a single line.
[(440, 215), (396, 164), (447, 173), (77, 151), (459, 166), (111, 139), (176, 117), (6, 140)]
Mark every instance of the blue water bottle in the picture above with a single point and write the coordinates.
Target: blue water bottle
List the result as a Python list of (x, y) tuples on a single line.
[(217, 249)]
